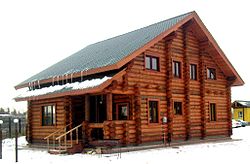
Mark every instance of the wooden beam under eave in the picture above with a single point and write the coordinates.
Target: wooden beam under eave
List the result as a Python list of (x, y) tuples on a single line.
[(109, 102)]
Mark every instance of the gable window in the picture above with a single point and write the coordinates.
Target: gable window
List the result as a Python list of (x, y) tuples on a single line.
[(178, 108), (153, 111), (122, 111), (177, 69), (212, 112), (193, 71), (48, 115), (152, 63), (211, 73)]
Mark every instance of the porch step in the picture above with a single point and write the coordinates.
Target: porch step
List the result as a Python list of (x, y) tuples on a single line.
[(57, 151), (75, 148)]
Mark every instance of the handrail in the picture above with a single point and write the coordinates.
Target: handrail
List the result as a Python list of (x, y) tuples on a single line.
[(56, 131), (71, 137), (69, 131)]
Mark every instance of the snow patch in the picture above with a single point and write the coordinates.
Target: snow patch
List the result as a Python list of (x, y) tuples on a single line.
[(25, 92), (218, 152)]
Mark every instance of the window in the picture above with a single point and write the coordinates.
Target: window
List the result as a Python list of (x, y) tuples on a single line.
[(240, 115), (153, 111), (152, 63), (177, 108), (193, 71), (211, 73), (48, 115), (212, 112), (177, 69), (122, 111)]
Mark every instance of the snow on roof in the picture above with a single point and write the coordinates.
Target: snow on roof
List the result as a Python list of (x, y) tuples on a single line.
[(243, 103), (25, 92)]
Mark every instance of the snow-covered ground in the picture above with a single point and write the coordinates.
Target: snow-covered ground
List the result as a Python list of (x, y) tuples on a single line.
[(224, 152)]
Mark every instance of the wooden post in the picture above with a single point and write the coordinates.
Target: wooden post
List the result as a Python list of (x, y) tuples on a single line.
[(229, 117), (202, 95), (169, 77), (137, 105), (186, 86), (29, 124), (70, 113), (109, 103), (87, 108)]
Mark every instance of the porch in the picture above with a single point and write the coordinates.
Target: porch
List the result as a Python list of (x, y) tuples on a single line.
[(94, 120)]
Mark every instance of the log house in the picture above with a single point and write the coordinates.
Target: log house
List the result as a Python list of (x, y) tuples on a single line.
[(168, 81)]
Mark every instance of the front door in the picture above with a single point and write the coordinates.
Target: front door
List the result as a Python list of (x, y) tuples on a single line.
[(98, 109), (78, 113)]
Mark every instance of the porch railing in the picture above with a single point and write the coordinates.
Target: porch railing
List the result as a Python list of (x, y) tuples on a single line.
[(54, 134), (64, 137)]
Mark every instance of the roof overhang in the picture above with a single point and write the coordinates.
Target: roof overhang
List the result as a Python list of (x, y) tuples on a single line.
[(89, 90)]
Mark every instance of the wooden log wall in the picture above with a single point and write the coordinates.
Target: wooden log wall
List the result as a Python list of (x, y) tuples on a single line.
[(192, 96), (179, 91), (122, 130), (195, 95), (123, 98), (149, 85), (37, 131), (216, 92)]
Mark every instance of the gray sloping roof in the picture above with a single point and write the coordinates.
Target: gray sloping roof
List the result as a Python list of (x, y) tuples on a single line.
[(243, 103), (107, 52)]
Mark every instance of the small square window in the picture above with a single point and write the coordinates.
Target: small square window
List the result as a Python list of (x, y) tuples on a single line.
[(211, 73), (178, 108), (177, 69), (193, 71)]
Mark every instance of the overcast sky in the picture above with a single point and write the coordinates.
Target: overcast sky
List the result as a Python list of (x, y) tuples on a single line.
[(36, 34)]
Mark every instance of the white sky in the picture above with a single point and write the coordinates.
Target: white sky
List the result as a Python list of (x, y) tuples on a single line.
[(36, 34)]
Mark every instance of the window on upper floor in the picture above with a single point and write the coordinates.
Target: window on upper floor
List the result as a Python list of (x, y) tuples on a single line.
[(193, 71), (211, 73), (152, 63), (212, 112), (177, 69), (48, 115)]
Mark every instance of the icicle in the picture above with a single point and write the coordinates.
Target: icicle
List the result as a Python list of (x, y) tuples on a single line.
[(62, 79), (81, 76), (58, 77), (66, 78), (71, 76), (34, 85), (53, 82), (38, 82), (29, 86)]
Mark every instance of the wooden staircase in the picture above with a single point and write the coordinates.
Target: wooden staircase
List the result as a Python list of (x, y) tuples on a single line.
[(67, 142)]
